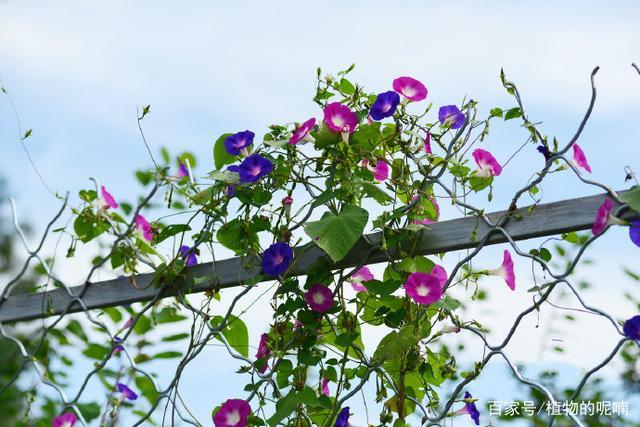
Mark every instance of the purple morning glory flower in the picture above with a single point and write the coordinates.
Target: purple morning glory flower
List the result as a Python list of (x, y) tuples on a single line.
[(631, 328), (452, 116), (254, 167), (276, 259), (182, 170), (385, 105), (343, 418), (238, 142), (542, 149), (127, 393), (188, 255), (319, 298), (469, 409), (634, 232)]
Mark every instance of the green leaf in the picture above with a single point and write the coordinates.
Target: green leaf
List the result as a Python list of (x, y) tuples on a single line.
[(236, 333), (632, 198), (284, 407), (376, 193), (27, 134), (168, 355), (395, 344), (513, 113), (96, 351), (325, 137), (172, 230), (220, 155), (176, 337), (496, 112), (366, 137), (346, 87), (147, 389), (90, 411), (336, 234)]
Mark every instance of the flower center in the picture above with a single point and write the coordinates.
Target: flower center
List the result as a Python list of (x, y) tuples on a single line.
[(318, 298), (386, 107), (233, 418), (338, 121), (277, 260), (255, 170), (422, 290), (409, 91)]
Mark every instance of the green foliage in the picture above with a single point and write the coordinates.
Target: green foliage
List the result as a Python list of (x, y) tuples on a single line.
[(336, 234)]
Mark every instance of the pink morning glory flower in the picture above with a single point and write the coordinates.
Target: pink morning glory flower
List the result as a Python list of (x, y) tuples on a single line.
[(427, 144), (238, 142), (469, 409), (604, 217), (450, 115), (634, 232), (385, 105), (339, 118), (142, 225), (505, 270), (488, 166), (440, 273), (362, 275), (319, 298), (631, 328), (325, 387), (380, 170), (579, 159), (287, 201), (410, 88), (423, 288), (107, 199), (188, 254), (67, 419), (232, 413), (263, 352), (302, 132), (127, 393)]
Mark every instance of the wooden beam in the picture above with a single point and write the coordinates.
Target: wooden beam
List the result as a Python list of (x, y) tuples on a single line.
[(545, 220)]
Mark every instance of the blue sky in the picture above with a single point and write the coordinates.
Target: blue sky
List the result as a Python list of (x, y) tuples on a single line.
[(77, 73)]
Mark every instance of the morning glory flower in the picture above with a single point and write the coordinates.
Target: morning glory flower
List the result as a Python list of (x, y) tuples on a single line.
[(505, 270), (450, 115), (362, 275), (488, 166), (254, 167), (631, 328), (107, 200), (238, 142), (427, 144), (423, 288), (325, 387), (469, 409), (142, 225), (579, 159), (440, 273), (604, 217), (544, 150), (67, 419), (385, 105), (276, 259), (410, 88), (343, 418), (339, 118), (380, 170), (287, 201), (302, 133), (634, 232), (127, 393), (118, 347), (263, 352), (319, 298), (232, 413), (188, 255), (182, 170)]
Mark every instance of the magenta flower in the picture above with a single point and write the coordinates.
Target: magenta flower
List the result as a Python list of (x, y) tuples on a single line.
[(276, 259), (427, 144), (117, 348), (127, 393), (410, 88), (381, 171), (263, 352), (302, 133), (232, 413), (423, 288), (579, 159), (254, 167), (238, 142), (287, 201), (440, 273), (505, 270), (325, 387), (67, 419), (469, 409), (343, 418), (450, 115), (182, 170), (488, 166), (107, 199), (631, 328), (142, 225), (604, 217), (362, 275), (188, 255), (339, 118), (634, 232), (385, 105), (319, 298)]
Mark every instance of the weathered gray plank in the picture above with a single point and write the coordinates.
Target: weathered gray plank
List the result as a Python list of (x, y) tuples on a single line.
[(546, 220)]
